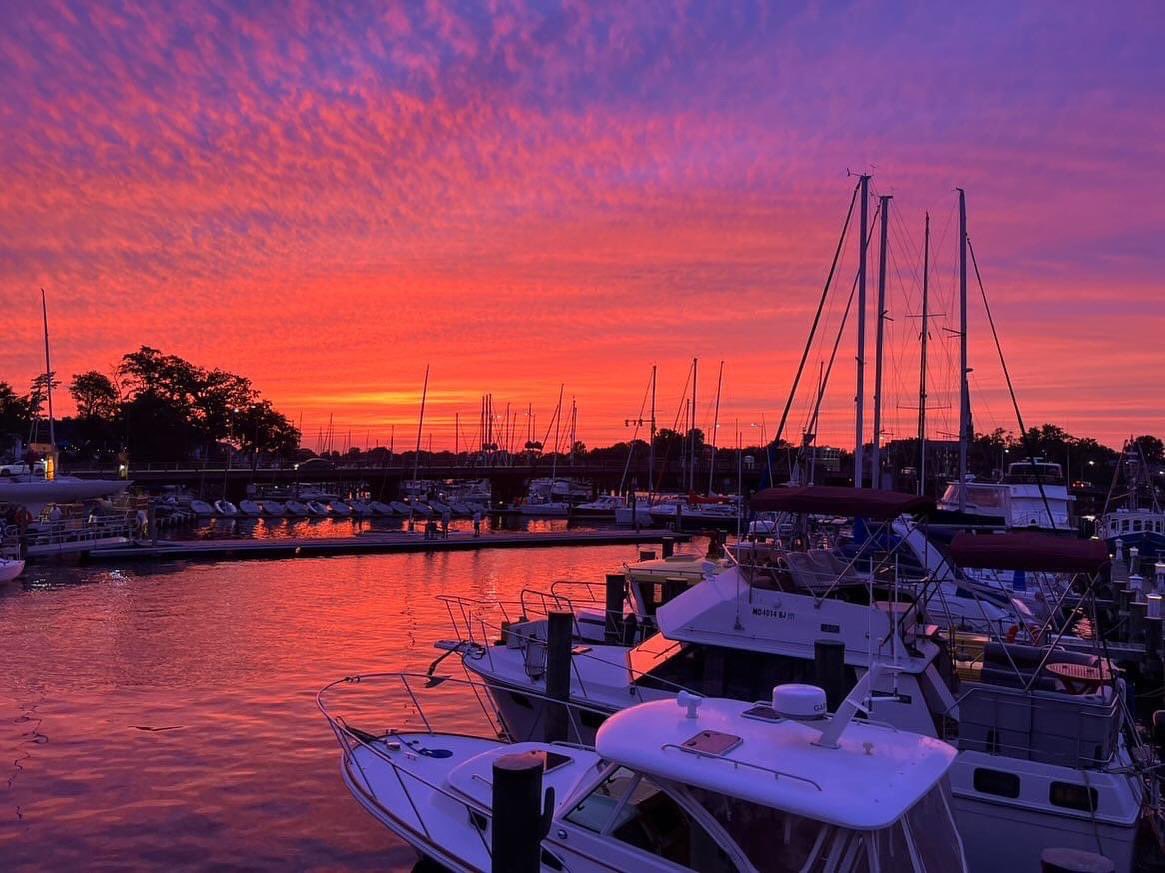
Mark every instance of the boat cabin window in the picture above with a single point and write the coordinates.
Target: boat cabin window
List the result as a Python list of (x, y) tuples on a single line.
[(997, 782), (633, 809), (1072, 796), (1137, 525), (718, 671), (1124, 525), (773, 840)]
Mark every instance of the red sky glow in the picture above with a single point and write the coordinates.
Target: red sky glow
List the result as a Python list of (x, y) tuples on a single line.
[(326, 198)]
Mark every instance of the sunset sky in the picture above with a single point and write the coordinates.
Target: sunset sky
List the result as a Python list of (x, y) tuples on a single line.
[(328, 197)]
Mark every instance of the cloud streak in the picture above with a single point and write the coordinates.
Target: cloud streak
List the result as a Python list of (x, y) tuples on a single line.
[(528, 193)]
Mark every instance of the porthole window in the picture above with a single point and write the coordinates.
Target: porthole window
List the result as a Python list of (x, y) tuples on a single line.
[(997, 782), (1072, 796)]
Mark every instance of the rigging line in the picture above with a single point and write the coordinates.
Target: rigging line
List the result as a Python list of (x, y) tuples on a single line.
[(675, 424), (813, 329), (634, 436), (844, 319), (1011, 388)]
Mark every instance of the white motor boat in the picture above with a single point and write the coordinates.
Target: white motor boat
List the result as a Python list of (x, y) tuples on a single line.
[(10, 568), (314, 507), (360, 507), (418, 507), (639, 514), (399, 507), (274, 507), (604, 506), (339, 508), (296, 508), (1020, 500), (545, 508), (250, 507), (710, 785), (440, 508), (201, 507), (460, 509), (225, 508), (380, 508)]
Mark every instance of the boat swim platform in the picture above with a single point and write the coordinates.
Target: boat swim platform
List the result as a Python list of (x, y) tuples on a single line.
[(374, 543)]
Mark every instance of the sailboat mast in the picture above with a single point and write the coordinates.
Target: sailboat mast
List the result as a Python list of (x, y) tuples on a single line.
[(922, 364), (715, 426), (557, 426), (860, 399), (420, 425), (692, 429), (651, 448), (876, 459), (964, 390), (44, 309)]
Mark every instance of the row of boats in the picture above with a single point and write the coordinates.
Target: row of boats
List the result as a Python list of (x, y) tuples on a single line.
[(681, 710), (333, 507)]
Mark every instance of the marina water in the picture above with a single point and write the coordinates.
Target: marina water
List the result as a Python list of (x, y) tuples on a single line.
[(164, 715)]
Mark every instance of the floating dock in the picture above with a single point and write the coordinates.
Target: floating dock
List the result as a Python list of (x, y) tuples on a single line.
[(373, 543)]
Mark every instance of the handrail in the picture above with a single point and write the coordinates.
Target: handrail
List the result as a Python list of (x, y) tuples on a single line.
[(735, 763)]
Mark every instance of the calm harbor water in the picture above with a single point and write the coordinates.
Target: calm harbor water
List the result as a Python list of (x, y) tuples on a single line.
[(164, 716)]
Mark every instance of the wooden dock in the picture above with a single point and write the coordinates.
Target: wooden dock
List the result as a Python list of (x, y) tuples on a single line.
[(373, 543)]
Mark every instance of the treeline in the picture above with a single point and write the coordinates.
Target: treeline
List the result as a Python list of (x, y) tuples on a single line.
[(156, 407)]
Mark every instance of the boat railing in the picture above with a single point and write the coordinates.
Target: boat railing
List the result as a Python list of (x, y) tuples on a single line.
[(777, 774), (71, 531), (1070, 730), (590, 593), (372, 699)]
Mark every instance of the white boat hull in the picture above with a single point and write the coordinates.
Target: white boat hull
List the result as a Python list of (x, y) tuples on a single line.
[(10, 569)]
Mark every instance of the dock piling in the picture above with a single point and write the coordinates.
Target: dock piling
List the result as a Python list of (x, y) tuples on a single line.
[(559, 640), (520, 820)]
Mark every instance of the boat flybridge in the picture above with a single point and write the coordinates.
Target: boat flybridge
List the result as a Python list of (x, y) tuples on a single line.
[(1042, 729), (1031, 494), (711, 785)]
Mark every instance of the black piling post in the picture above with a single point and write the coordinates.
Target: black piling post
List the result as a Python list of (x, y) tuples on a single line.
[(829, 671), (669, 546), (559, 640), (519, 819), (616, 588)]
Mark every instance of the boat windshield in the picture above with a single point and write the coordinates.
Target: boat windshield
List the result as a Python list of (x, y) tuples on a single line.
[(773, 840), (932, 830), (633, 809), (978, 496), (650, 653)]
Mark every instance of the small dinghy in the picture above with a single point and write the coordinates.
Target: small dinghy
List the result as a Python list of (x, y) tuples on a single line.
[(250, 507), (10, 568), (420, 508), (714, 785), (201, 507), (381, 508), (273, 507), (340, 508), (440, 508), (294, 507), (359, 507), (399, 507), (316, 508), (226, 508)]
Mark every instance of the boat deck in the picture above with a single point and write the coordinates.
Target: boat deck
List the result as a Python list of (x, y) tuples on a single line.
[(373, 543)]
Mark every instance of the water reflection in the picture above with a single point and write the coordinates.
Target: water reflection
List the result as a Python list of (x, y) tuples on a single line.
[(164, 716)]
